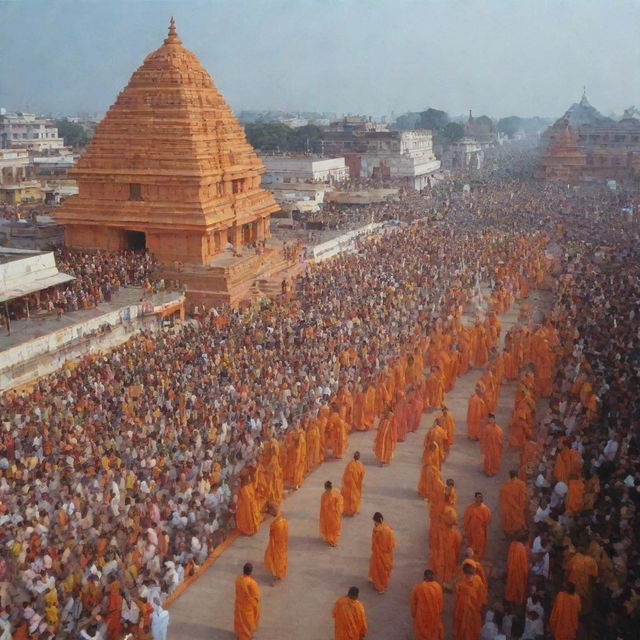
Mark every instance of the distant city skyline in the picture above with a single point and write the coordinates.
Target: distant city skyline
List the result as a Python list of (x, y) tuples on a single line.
[(344, 56)]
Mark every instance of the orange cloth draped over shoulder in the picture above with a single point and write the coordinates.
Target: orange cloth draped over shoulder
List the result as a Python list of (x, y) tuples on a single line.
[(426, 611), (491, 447), (331, 507), (352, 479), (350, 619), (386, 439), (247, 607), (477, 413), (517, 573), (575, 496), (513, 505), (382, 546), (275, 557), (247, 511), (564, 616), (476, 521), (467, 622), (444, 543)]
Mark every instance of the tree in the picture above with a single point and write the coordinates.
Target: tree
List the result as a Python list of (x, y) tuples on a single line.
[(269, 136), (74, 135), (433, 119), (407, 121), (509, 126), (453, 131)]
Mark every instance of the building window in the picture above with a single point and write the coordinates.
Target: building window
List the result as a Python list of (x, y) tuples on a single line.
[(135, 191), (236, 186)]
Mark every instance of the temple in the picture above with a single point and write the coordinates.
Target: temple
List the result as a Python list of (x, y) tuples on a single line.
[(563, 161), (169, 169)]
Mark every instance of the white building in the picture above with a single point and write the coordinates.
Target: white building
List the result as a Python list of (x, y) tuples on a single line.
[(14, 166), (297, 169), (27, 131), (406, 156)]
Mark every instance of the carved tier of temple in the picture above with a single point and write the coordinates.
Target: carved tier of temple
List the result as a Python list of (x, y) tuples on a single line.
[(169, 168)]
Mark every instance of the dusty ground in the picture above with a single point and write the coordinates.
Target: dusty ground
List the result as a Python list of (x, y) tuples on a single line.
[(300, 607)]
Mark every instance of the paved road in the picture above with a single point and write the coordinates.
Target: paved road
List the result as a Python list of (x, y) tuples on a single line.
[(300, 607)]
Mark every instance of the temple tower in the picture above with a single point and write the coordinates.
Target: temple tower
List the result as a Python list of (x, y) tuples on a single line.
[(168, 169)]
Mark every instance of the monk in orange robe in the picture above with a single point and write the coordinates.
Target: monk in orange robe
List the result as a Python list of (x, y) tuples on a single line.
[(444, 542), (513, 504), (479, 351), (247, 511), (350, 617), (246, 612), (369, 407), (477, 413), (426, 609), (477, 517), (568, 462), (312, 437), (575, 495), (430, 485), (565, 614), (352, 479), (331, 507), (467, 622), (275, 557), (386, 438), (113, 613), (337, 433), (491, 446), (582, 571), (517, 571), (470, 559), (433, 393), (382, 546), (448, 423)]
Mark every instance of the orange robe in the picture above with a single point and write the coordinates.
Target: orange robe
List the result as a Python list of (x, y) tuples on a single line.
[(350, 619), (275, 557), (369, 407), (513, 505), (381, 563), (426, 611), (386, 439), (564, 616), (517, 573), (337, 434), (491, 447), (352, 487), (477, 413), (467, 622), (444, 543), (433, 394), (247, 607), (476, 521), (113, 614), (247, 511), (331, 507), (581, 569), (575, 496)]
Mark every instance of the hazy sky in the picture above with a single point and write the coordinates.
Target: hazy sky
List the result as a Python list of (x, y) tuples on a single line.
[(499, 57)]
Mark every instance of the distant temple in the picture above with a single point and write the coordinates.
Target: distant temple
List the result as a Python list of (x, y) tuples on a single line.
[(585, 146), (169, 169)]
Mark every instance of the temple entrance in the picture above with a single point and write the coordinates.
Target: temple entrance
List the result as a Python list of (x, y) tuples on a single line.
[(135, 240)]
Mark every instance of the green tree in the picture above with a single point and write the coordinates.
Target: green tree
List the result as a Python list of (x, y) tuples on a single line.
[(74, 135), (433, 119), (453, 131), (270, 136)]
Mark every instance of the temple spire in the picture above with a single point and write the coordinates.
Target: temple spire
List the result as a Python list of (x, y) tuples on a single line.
[(172, 37)]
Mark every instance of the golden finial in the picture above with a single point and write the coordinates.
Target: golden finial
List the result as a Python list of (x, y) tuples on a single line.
[(173, 35)]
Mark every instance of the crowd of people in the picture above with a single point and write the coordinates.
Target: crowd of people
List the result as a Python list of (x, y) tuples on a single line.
[(119, 476)]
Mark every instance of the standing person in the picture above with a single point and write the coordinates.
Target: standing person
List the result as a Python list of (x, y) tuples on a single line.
[(565, 614), (247, 606), (275, 557), (331, 507), (513, 504), (517, 571), (467, 621), (350, 617), (386, 438), (477, 413), (352, 485), (491, 446), (248, 511), (477, 517), (382, 545), (426, 608)]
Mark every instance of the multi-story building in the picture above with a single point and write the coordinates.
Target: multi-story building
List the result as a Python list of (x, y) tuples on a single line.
[(303, 168), (370, 150), (27, 131)]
